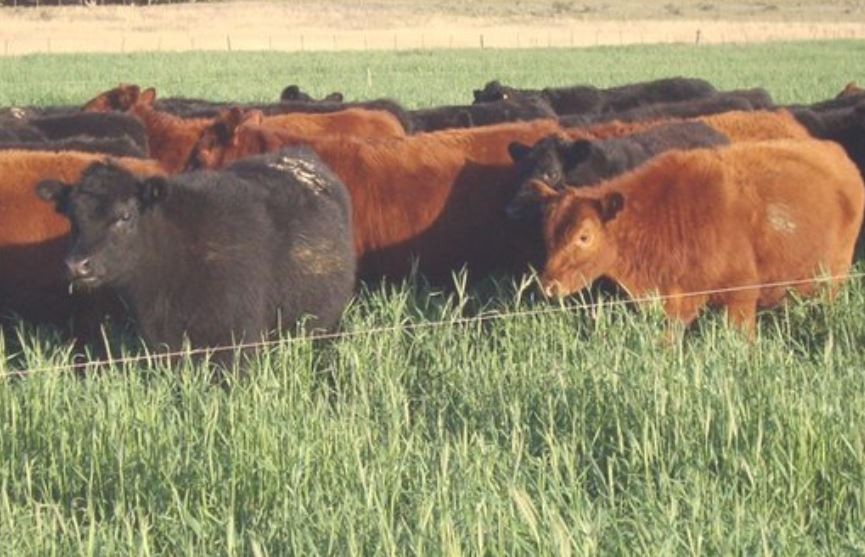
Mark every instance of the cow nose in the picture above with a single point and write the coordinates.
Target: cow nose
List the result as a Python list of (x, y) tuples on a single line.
[(79, 267)]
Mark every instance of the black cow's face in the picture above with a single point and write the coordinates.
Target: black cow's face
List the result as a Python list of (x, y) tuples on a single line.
[(549, 162), (106, 211), (492, 92)]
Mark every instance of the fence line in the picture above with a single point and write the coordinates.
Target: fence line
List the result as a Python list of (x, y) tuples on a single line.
[(787, 284), (591, 34)]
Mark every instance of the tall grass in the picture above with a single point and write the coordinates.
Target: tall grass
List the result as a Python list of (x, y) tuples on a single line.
[(560, 432)]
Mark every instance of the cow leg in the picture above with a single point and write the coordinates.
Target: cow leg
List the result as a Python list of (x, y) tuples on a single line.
[(681, 311), (742, 311), (683, 308)]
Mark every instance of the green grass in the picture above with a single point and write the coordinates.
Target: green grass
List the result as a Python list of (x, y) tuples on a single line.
[(565, 432)]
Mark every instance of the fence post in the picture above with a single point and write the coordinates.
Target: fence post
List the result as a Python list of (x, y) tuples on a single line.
[(228, 42), (482, 40)]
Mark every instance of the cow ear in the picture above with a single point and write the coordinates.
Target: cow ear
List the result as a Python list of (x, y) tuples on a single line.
[(252, 117), (147, 97), (610, 205), (518, 151), (54, 191), (575, 152), (152, 191), (335, 97)]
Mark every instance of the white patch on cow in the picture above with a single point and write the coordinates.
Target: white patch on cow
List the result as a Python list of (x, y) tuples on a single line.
[(303, 171), (18, 113), (779, 219)]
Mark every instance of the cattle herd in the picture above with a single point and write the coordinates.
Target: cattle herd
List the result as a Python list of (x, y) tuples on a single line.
[(218, 223)]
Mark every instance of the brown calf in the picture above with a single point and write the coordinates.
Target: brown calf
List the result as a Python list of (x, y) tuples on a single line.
[(172, 137), (704, 220)]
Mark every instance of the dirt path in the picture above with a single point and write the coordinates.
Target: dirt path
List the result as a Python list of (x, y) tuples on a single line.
[(391, 24)]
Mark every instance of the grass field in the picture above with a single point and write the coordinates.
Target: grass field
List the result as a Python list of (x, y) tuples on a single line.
[(555, 433)]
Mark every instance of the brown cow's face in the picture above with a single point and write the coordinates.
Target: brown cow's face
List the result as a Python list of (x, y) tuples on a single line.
[(223, 141), (579, 248), (120, 99)]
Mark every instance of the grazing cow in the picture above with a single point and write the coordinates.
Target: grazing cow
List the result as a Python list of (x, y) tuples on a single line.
[(114, 146), (438, 197), (33, 238), (557, 161), (292, 93), (709, 220), (447, 117), (215, 257), (587, 99), (172, 138)]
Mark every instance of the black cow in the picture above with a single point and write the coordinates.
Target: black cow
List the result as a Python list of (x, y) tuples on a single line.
[(560, 162), (27, 112), (845, 126), (293, 93), (115, 146), (582, 99), (93, 124), (446, 117), (716, 104), (217, 257)]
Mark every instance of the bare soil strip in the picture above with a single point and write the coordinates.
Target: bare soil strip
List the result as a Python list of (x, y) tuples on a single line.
[(389, 25)]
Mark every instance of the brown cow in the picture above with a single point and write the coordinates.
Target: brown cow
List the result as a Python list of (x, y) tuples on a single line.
[(695, 221), (172, 137), (736, 126), (436, 196), (33, 235)]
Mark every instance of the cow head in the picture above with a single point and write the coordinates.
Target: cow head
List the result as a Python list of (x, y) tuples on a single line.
[(549, 162), (293, 93), (492, 92), (106, 210), (578, 243), (121, 99), (220, 143)]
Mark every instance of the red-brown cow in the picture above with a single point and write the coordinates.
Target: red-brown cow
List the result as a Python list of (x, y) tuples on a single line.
[(694, 221), (33, 235), (172, 138), (436, 196)]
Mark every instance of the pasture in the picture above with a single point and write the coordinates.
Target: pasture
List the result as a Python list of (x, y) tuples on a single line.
[(539, 429)]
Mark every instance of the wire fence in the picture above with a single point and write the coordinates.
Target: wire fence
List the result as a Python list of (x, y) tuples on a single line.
[(605, 33), (402, 328)]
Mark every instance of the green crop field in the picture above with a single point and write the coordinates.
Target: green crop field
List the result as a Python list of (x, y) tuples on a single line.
[(537, 431)]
